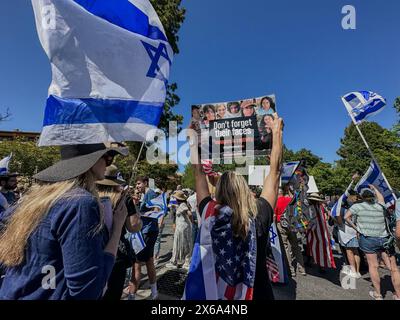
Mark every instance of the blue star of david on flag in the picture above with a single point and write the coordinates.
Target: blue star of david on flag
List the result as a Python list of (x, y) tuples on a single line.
[(375, 177), (155, 54), (272, 235)]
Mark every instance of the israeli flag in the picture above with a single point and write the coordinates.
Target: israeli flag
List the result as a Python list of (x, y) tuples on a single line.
[(375, 177), (4, 165), (337, 207), (137, 242), (159, 202), (363, 104), (154, 214), (287, 171), (110, 62)]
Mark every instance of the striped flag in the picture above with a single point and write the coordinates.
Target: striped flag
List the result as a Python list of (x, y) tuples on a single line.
[(153, 214), (375, 177), (208, 167), (4, 163), (159, 202), (335, 211), (273, 270), (222, 266), (110, 65), (288, 169), (137, 241), (319, 240), (363, 104), (275, 261)]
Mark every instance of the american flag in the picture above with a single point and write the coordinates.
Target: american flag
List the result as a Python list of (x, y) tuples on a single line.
[(208, 168), (319, 241), (273, 270), (223, 266)]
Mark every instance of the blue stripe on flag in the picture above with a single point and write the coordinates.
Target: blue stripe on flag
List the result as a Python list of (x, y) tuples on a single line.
[(370, 179), (123, 14), (368, 110), (84, 111), (195, 289)]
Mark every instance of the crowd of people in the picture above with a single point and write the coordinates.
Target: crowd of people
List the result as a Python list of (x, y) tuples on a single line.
[(71, 234)]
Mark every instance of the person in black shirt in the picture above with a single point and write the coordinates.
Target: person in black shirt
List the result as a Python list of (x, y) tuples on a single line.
[(233, 195)]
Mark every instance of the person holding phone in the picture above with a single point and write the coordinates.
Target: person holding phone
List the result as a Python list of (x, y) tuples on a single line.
[(111, 191), (55, 245)]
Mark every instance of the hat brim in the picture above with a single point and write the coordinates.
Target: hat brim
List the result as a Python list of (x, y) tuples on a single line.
[(74, 167), (316, 199), (110, 182)]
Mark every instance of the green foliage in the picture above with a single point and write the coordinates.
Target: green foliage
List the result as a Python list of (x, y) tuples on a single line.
[(164, 174), (396, 127), (188, 180), (28, 158), (384, 143)]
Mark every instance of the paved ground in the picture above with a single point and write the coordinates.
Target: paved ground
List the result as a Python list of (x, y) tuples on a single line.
[(314, 286)]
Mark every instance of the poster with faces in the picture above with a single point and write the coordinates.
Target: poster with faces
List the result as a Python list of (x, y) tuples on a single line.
[(235, 127)]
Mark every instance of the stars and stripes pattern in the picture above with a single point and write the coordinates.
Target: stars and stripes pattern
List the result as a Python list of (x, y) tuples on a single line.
[(319, 240), (208, 167), (273, 270), (223, 266)]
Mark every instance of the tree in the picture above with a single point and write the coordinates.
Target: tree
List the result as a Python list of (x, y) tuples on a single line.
[(28, 158), (384, 143), (396, 127), (188, 180)]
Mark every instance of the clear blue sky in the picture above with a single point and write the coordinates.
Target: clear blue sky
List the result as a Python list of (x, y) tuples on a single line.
[(233, 49)]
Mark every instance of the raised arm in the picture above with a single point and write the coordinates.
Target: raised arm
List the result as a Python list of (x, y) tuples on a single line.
[(271, 182), (201, 184), (379, 196)]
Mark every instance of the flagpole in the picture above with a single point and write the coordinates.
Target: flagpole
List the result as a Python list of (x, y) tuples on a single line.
[(133, 176), (368, 147)]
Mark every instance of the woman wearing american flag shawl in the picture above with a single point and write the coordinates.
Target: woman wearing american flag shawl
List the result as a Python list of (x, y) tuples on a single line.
[(230, 254)]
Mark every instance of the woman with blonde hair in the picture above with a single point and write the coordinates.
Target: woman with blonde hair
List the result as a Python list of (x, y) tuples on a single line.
[(232, 246), (55, 245)]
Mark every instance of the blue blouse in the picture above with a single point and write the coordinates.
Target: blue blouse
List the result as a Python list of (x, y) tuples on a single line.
[(65, 257)]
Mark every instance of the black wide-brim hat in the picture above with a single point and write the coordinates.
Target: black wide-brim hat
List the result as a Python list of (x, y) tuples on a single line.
[(76, 160)]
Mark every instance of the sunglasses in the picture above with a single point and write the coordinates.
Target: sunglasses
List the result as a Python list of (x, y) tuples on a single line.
[(249, 107), (109, 159)]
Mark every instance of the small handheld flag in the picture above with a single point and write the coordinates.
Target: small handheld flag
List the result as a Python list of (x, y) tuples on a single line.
[(288, 170)]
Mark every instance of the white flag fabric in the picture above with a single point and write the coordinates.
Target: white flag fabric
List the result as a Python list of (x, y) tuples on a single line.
[(375, 177), (4, 165), (363, 104), (337, 207), (137, 241), (110, 64)]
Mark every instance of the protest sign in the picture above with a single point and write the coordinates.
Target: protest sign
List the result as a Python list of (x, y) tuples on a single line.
[(233, 128)]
